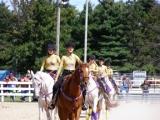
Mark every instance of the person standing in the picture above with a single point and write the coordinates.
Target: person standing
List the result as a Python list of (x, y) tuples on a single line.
[(145, 87)]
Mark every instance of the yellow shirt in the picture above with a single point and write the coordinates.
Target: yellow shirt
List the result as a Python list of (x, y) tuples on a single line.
[(102, 70), (68, 63), (109, 71), (93, 68), (52, 62)]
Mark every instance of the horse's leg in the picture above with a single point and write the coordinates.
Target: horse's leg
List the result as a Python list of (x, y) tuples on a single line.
[(55, 113), (48, 114), (100, 106), (78, 113), (40, 109), (62, 114), (94, 115), (89, 113)]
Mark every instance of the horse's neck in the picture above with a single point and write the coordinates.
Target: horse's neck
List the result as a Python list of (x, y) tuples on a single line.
[(92, 83), (71, 86), (47, 86)]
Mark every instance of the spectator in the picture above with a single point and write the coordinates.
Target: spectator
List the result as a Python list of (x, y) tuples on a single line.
[(145, 87), (25, 78), (125, 84), (11, 78)]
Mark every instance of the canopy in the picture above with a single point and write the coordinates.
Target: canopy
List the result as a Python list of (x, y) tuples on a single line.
[(3, 74)]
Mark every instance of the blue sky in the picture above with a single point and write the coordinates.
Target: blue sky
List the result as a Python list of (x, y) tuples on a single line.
[(77, 3), (80, 3)]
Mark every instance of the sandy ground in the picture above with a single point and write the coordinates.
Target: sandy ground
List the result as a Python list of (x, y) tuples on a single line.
[(136, 111), (125, 111)]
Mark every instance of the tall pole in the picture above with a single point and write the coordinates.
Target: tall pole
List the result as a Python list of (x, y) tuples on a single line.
[(86, 31), (58, 26)]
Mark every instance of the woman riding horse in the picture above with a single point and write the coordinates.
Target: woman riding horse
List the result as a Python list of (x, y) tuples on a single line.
[(70, 99), (68, 64), (51, 62)]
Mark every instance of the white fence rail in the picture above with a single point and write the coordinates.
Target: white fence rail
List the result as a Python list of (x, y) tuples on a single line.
[(16, 89), (136, 89)]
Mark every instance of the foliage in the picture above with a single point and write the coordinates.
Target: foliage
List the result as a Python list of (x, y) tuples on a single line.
[(127, 32)]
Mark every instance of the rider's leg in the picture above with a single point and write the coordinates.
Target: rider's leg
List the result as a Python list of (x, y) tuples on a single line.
[(56, 88)]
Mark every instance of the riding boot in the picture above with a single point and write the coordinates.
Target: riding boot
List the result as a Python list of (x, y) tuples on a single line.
[(84, 106), (56, 89), (54, 99)]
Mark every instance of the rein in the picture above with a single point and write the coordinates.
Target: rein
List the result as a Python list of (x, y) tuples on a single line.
[(70, 98)]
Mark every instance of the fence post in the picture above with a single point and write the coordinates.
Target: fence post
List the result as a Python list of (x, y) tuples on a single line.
[(29, 98), (2, 96)]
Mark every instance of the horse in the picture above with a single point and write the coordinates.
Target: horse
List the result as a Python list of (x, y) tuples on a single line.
[(92, 98), (70, 98), (98, 100), (43, 84)]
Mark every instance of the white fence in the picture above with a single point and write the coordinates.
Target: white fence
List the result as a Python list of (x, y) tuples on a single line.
[(16, 89), (136, 89)]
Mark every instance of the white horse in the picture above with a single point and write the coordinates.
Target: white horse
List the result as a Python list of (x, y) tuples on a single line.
[(43, 85), (92, 99), (98, 100)]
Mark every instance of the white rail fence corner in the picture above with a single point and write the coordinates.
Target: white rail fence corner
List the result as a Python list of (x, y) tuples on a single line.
[(16, 89)]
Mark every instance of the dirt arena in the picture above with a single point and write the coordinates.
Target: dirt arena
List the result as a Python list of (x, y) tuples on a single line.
[(125, 111)]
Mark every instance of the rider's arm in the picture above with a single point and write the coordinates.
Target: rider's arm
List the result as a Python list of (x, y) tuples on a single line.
[(78, 60), (60, 68), (42, 66)]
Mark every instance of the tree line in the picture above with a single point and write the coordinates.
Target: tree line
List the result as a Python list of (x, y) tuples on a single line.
[(126, 33)]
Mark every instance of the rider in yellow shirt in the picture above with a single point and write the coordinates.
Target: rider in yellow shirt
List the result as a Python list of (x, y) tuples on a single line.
[(67, 65), (51, 63), (109, 69), (102, 69), (93, 67), (110, 75), (102, 75)]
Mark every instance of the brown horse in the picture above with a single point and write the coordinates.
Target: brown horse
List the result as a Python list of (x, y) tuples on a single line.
[(70, 99)]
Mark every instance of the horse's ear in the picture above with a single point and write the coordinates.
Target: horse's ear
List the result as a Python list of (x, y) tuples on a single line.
[(32, 74)]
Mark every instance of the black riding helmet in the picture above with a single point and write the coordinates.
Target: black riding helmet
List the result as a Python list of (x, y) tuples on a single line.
[(101, 59), (70, 44), (51, 47), (92, 57)]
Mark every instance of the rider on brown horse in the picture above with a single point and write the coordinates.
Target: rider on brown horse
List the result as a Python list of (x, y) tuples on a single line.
[(68, 64)]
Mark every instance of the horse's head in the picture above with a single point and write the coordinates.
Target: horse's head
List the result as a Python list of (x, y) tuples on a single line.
[(83, 72), (37, 83)]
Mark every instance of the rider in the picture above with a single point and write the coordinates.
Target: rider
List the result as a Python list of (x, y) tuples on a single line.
[(51, 63), (110, 75), (102, 75), (68, 65), (109, 69), (93, 67)]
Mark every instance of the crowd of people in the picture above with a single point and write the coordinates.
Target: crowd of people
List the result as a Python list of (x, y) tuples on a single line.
[(12, 78)]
